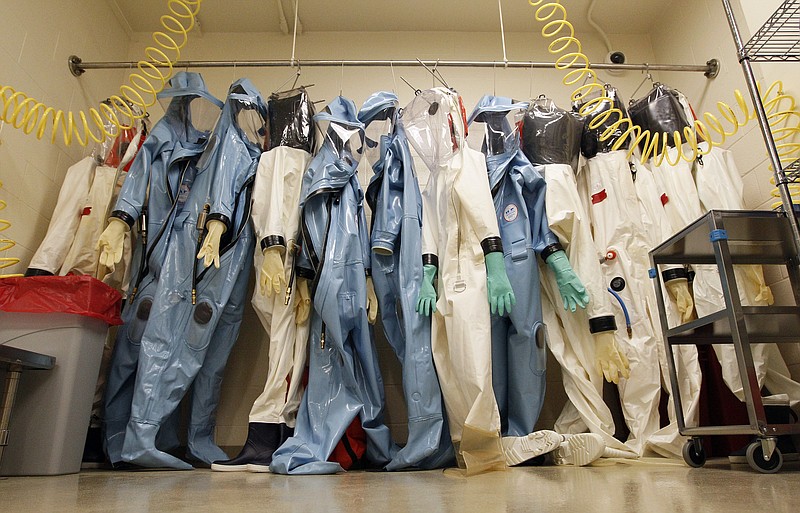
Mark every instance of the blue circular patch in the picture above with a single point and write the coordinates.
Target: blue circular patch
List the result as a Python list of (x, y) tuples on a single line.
[(510, 213)]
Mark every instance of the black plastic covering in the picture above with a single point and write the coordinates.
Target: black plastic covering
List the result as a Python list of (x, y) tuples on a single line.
[(551, 135), (291, 120), (591, 144), (659, 111)]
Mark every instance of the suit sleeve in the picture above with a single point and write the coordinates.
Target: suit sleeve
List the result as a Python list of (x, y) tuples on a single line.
[(475, 197), (133, 195), (231, 165), (389, 214), (569, 222)]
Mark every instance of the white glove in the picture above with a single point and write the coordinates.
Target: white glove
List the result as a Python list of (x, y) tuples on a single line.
[(610, 361), (272, 278), (302, 307), (112, 242), (372, 302), (209, 251), (679, 291)]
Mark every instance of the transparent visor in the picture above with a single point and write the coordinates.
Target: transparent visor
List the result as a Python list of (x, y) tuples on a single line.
[(659, 111), (377, 131), (429, 128), (347, 142), (252, 124), (501, 131), (196, 114)]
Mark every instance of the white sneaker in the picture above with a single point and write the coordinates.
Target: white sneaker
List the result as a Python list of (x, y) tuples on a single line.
[(519, 449), (579, 449)]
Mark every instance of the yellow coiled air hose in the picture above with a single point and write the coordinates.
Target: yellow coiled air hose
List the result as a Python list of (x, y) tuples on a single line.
[(6, 244), (780, 107), (33, 116)]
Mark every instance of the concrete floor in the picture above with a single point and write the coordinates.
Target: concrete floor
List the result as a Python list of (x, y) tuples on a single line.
[(618, 488)]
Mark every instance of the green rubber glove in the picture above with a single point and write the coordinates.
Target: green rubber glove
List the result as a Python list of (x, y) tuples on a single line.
[(572, 290), (426, 303), (501, 295)]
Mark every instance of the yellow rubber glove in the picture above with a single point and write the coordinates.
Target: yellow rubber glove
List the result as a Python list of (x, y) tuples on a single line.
[(302, 306), (372, 302), (755, 274), (272, 278), (209, 251), (610, 361), (112, 242), (679, 291)]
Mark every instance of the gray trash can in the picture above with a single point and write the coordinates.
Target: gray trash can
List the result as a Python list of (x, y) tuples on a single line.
[(52, 410)]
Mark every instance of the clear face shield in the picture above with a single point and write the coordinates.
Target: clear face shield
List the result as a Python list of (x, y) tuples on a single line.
[(429, 128), (599, 121), (249, 119), (194, 114), (346, 141), (376, 132), (501, 131), (291, 120), (660, 111), (552, 135)]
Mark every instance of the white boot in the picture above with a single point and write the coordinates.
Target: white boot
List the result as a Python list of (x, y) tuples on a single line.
[(579, 450), (519, 449)]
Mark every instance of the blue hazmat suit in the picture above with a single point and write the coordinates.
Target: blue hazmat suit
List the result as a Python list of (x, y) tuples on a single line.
[(519, 337), (344, 379), (167, 158), (196, 313), (394, 198)]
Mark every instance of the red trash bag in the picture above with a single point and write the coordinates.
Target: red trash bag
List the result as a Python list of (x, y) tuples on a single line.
[(79, 295), (350, 450)]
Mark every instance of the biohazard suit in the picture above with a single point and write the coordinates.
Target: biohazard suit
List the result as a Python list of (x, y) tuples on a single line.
[(344, 378), (519, 337), (196, 313), (151, 194), (459, 230), (657, 228), (396, 242), (582, 341), (619, 234), (281, 301)]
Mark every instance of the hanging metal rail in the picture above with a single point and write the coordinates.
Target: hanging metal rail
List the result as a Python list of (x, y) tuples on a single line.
[(77, 67)]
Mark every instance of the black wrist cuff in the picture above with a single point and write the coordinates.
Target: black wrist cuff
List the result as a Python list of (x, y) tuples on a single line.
[(549, 250), (430, 259), (303, 272), (124, 217), (32, 271), (601, 324), (272, 240), (221, 218), (491, 245), (674, 274)]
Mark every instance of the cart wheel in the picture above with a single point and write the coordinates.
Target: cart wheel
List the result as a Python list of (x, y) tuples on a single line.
[(693, 453), (755, 457)]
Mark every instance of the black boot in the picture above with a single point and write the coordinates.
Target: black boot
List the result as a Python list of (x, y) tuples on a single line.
[(256, 455), (93, 454)]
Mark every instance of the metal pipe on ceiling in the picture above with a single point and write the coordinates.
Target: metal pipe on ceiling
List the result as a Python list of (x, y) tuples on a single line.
[(710, 69)]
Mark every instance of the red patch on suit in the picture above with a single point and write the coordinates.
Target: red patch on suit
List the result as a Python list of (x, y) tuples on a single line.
[(599, 196)]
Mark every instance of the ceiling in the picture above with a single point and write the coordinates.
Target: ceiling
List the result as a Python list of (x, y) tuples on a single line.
[(614, 16)]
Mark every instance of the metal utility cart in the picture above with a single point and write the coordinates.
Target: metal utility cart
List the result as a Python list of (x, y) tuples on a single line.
[(728, 238)]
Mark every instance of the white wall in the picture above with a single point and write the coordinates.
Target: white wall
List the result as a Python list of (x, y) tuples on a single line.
[(695, 31), (36, 37), (247, 366)]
